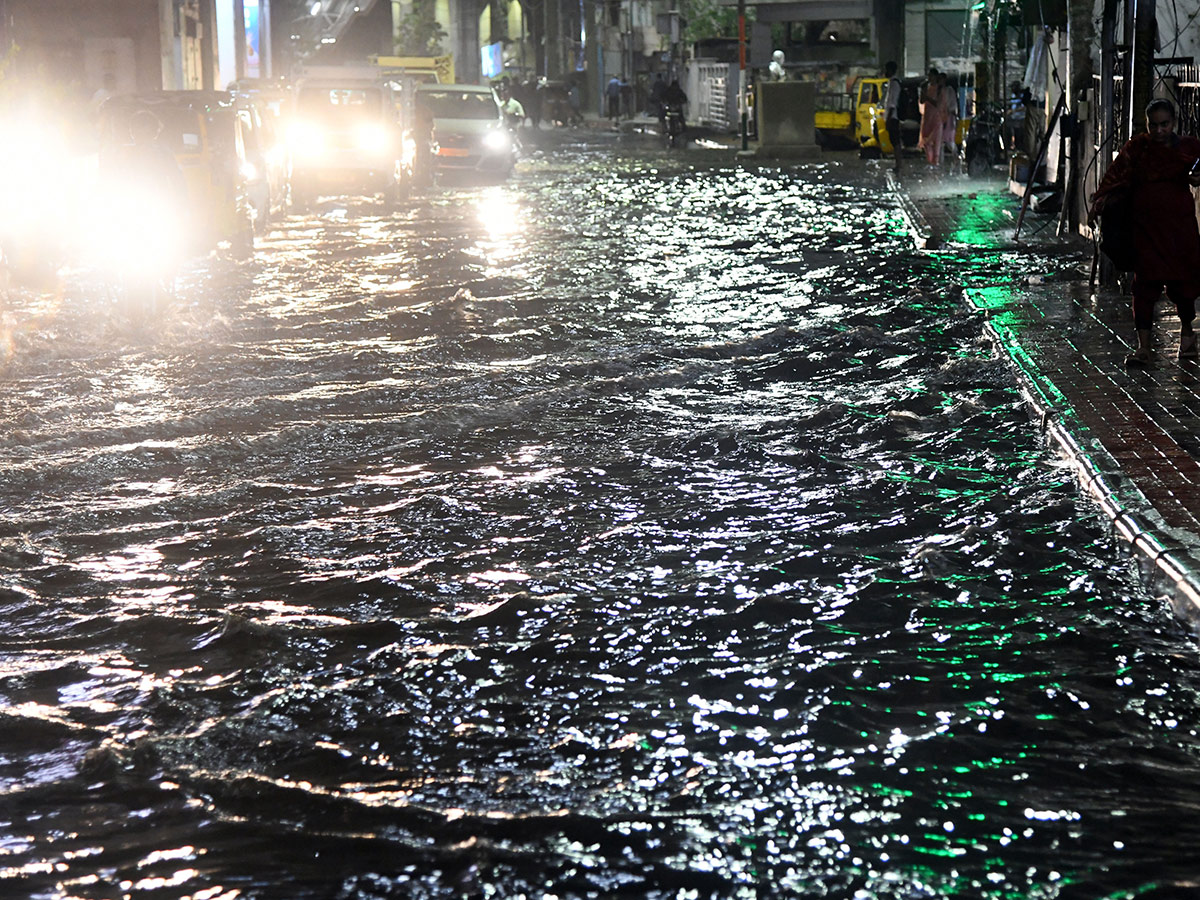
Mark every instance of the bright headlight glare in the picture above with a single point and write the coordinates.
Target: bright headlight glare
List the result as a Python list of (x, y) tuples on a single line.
[(249, 171), (142, 230), (39, 177), (372, 137), (306, 139), (496, 140)]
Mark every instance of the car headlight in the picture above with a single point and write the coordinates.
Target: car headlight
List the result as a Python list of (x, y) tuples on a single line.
[(372, 137), (497, 140), (306, 139), (140, 229)]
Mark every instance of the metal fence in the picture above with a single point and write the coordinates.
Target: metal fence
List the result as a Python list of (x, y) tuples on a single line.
[(1182, 84), (714, 93)]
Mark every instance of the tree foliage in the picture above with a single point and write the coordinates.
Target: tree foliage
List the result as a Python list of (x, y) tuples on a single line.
[(708, 19), (419, 33)]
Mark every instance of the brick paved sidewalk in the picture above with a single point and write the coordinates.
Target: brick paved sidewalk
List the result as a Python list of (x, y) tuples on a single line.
[(1133, 435)]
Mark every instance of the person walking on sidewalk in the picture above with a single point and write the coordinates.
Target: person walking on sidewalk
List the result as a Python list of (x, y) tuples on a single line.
[(612, 93), (949, 119), (931, 118), (891, 107), (1156, 169)]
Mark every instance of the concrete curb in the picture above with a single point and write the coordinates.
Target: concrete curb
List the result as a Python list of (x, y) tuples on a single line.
[(923, 233)]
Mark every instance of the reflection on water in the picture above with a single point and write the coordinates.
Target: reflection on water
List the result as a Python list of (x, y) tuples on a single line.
[(644, 526)]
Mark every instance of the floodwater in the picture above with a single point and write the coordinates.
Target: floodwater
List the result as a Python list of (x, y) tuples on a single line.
[(646, 526)]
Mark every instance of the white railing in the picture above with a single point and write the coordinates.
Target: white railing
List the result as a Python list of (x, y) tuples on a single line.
[(715, 95)]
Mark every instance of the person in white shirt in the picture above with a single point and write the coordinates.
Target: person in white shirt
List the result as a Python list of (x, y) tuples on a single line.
[(891, 106), (776, 69)]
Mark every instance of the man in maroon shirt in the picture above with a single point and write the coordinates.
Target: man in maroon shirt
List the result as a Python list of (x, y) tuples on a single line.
[(1156, 169)]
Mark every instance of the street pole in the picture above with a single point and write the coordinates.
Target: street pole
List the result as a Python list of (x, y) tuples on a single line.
[(742, 112), (1141, 67)]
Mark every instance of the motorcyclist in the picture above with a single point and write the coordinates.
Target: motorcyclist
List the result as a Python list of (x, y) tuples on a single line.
[(514, 111), (674, 100), (145, 206), (674, 95), (148, 163)]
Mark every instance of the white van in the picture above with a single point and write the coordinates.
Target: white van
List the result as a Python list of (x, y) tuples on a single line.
[(345, 136)]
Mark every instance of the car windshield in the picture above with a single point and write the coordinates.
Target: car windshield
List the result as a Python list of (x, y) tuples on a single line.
[(459, 104), (182, 126), (340, 104)]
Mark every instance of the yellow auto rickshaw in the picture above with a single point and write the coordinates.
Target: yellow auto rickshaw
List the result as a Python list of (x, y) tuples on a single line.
[(204, 133)]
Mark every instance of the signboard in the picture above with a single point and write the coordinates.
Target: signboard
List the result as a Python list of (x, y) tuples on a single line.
[(491, 58), (253, 61)]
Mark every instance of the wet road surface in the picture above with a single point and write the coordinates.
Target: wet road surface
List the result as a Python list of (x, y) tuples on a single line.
[(649, 525)]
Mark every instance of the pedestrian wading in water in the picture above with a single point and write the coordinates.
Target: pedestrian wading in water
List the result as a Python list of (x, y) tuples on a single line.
[(1152, 174)]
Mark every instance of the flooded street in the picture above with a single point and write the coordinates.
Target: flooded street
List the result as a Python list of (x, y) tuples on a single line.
[(649, 525)]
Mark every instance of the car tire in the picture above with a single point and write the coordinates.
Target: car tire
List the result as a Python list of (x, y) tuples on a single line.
[(301, 198), (977, 162), (262, 221)]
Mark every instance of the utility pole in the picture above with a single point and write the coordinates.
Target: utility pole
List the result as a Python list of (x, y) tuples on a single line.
[(239, 38), (1141, 64), (1080, 38), (552, 33), (742, 111), (999, 85)]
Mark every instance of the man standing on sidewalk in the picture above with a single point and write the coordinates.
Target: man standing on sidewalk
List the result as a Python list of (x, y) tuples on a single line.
[(1155, 172), (612, 93), (891, 106)]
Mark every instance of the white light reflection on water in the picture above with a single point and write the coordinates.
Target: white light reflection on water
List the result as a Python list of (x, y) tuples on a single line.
[(135, 562), (504, 230), (532, 591)]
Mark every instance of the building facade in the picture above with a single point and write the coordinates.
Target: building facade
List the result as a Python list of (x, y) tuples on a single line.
[(135, 45)]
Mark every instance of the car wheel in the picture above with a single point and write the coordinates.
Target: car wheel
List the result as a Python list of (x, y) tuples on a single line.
[(977, 163), (301, 198), (262, 219), (404, 184), (242, 244)]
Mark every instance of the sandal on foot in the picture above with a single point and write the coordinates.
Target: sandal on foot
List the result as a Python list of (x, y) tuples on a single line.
[(1139, 357)]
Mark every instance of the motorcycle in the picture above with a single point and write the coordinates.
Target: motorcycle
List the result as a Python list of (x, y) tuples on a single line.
[(139, 239), (984, 146), (673, 125)]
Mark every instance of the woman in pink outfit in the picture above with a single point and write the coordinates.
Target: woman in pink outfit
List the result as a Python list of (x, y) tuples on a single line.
[(931, 118)]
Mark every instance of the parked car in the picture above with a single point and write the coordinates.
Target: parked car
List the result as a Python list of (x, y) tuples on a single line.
[(261, 110), (469, 133), (346, 135)]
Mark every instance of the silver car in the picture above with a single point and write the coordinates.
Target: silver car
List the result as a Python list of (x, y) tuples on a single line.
[(468, 130)]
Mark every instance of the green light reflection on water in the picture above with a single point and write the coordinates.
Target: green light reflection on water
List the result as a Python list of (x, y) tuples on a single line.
[(988, 218)]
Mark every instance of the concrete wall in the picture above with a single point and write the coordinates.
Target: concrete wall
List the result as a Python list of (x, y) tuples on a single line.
[(786, 113), (1177, 31), (70, 45)]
